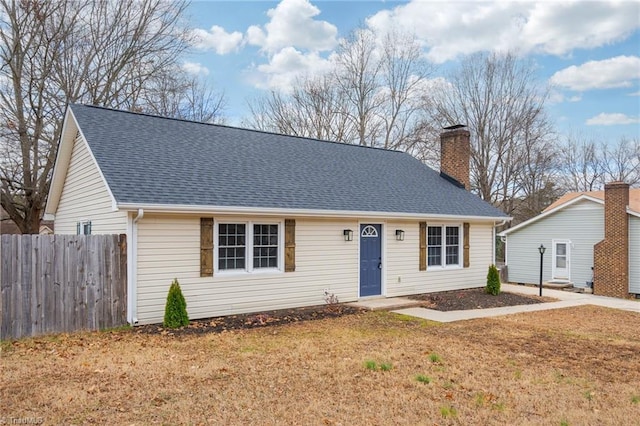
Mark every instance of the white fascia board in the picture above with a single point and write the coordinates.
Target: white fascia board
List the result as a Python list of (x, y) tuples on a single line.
[(633, 212), (62, 156), (550, 212), (269, 211)]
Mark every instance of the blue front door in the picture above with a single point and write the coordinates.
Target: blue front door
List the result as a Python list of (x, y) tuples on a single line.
[(370, 260)]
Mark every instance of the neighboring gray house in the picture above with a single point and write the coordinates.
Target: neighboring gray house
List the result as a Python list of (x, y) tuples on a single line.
[(572, 229), (249, 221)]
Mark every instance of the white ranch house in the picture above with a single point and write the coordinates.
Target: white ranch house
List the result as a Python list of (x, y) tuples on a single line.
[(250, 221)]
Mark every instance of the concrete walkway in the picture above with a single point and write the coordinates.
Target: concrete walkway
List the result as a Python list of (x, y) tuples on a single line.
[(565, 299)]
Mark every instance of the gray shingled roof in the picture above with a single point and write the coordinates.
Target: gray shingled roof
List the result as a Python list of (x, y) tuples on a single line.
[(155, 160)]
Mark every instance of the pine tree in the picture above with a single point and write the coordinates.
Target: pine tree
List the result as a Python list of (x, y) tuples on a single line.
[(493, 281), (175, 311)]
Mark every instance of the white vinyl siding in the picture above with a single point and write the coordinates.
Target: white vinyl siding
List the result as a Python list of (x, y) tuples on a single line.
[(169, 247), (86, 198), (634, 254), (581, 223), (403, 276)]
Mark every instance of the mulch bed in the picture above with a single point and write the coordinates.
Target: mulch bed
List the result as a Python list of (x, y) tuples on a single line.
[(443, 301), (255, 320), (475, 298)]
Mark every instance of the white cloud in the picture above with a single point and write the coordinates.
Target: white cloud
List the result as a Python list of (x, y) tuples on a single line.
[(288, 65), (555, 97), (195, 68), (620, 71), (634, 93), (292, 24), (613, 119), (217, 39), (449, 29)]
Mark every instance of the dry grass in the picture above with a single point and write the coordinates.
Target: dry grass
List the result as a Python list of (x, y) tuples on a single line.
[(578, 366)]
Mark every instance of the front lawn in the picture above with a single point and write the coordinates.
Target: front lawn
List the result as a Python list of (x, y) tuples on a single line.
[(573, 366)]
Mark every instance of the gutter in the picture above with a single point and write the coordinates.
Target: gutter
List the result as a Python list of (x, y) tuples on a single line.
[(134, 267), (271, 211)]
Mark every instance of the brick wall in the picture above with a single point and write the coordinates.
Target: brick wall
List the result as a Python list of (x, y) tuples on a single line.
[(455, 152), (611, 255)]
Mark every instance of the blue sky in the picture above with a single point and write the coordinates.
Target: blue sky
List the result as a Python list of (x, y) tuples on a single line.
[(587, 51)]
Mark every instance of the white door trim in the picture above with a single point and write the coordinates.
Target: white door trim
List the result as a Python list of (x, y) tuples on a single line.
[(561, 274)]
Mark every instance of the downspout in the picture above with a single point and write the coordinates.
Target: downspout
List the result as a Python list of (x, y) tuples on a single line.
[(134, 266)]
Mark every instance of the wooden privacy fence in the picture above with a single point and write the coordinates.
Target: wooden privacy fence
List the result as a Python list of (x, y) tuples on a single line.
[(62, 283)]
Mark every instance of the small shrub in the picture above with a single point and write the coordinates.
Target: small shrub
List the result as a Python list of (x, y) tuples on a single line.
[(564, 422), (423, 379), (386, 366), (371, 365), (493, 281), (330, 298), (635, 399), (175, 311), (333, 304), (434, 357)]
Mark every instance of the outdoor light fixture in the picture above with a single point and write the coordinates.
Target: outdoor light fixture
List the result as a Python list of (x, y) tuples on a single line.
[(399, 235), (348, 234), (541, 249)]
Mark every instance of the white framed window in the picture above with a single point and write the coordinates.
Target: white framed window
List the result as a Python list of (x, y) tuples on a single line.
[(265, 245), (443, 246), (83, 227), (232, 246), (249, 246)]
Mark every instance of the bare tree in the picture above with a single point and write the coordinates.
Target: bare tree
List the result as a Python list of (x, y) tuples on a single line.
[(57, 52), (538, 181), (586, 165), (372, 96), (175, 94), (357, 76), (621, 161), (404, 74), (498, 97), (315, 109), (581, 164)]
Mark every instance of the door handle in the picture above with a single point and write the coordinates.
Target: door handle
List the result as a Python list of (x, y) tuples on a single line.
[(379, 263)]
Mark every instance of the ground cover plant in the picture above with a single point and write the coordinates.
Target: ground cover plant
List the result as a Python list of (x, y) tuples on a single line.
[(576, 365)]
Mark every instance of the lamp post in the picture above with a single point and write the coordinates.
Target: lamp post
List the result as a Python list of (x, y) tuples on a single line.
[(541, 249)]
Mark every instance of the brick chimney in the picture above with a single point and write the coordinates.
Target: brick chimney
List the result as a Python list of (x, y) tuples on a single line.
[(611, 255), (455, 151)]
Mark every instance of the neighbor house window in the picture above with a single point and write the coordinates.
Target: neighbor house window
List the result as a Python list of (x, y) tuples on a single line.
[(248, 246), (83, 228), (443, 245)]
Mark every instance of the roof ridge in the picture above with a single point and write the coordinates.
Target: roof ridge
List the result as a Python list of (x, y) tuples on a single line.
[(145, 114)]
